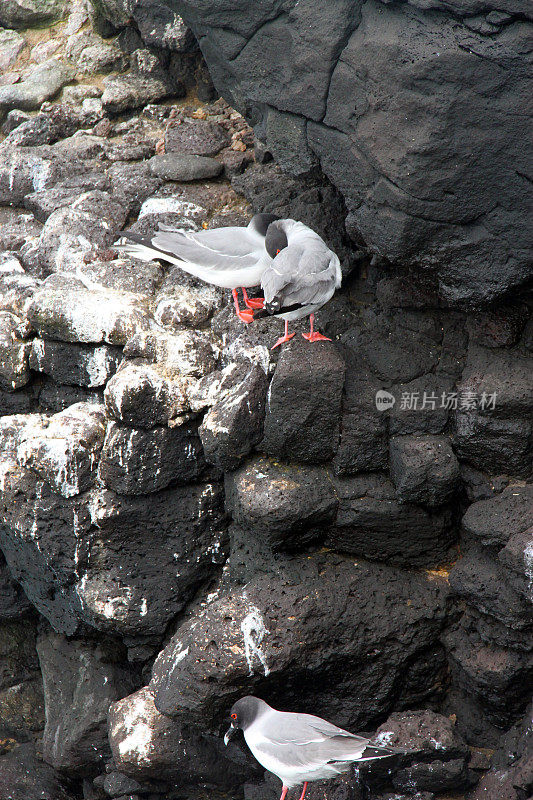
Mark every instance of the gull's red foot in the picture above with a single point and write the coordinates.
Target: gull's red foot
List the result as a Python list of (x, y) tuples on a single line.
[(252, 302), (315, 336), (286, 336), (283, 339), (245, 316)]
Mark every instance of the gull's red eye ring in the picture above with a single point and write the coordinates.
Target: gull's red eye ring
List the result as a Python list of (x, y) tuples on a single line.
[(234, 716)]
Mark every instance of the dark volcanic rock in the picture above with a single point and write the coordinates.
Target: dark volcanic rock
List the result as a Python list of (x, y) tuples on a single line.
[(13, 601), (147, 744), (424, 469), (433, 755), (285, 506), (75, 364), (234, 423), (371, 522), (145, 559), (23, 775), (498, 679), (195, 137), (303, 404), (310, 641), (136, 461), (481, 582), (145, 395), (493, 429), (493, 522), (161, 27), (425, 197), (80, 682)]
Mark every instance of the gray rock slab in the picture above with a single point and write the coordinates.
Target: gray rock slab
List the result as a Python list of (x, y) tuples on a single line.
[(43, 82), (184, 167)]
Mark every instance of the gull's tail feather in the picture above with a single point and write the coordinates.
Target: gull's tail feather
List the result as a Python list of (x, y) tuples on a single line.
[(374, 752)]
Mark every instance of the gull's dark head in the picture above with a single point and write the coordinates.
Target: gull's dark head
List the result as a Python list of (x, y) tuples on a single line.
[(243, 713), (275, 239)]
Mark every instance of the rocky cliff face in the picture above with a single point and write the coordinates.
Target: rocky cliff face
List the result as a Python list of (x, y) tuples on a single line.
[(411, 109), (187, 516)]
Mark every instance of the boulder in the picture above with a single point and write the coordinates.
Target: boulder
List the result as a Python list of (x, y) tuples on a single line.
[(424, 469), (81, 680), (372, 523), (21, 692), (74, 364), (11, 43), (433, 755), (25, 171), (497, 678), (32, 13), (309, 641), (23, 774), (146, 558), (136, 461), (285, 506), (42, 83), (145, 395), (492, 421), (64, 449), (126, 92), (184, 167), (195, 137), (481, 582), (304, 403), (234, 423), (147, 744), (87, 316), (161, 27), (494, 521)]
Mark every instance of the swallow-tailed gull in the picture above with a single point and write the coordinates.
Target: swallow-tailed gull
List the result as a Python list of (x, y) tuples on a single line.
[(298, 748), (229, 257), (300, 279)]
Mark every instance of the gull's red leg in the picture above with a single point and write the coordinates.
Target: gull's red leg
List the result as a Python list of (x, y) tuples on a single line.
[(252, 302), (246, 316), (285, 338), (303, 791), (284, 790), (314, 336)]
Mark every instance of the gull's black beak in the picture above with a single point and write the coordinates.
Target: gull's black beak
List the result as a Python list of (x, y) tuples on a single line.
[(229, 734)]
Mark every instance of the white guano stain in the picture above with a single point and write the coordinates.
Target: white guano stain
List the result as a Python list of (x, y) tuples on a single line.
[(254, 631)]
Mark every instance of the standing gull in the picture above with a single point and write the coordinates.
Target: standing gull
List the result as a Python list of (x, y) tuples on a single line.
[(298, 748), (233, 257), (301, 278)]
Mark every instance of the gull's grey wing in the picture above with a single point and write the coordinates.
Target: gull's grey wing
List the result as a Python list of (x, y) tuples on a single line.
[(217, 249), (300, 276), (302, 740), (290, 727)]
